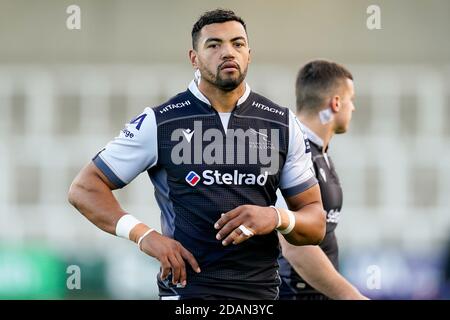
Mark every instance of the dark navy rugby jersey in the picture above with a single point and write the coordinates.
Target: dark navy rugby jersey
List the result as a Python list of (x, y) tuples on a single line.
[(201, 170), (332, 198)]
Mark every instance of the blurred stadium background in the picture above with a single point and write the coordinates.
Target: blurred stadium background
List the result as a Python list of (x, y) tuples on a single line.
[(65, 93)]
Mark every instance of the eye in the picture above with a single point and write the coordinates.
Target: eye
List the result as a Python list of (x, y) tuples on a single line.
[(213, 45), (239, 44)]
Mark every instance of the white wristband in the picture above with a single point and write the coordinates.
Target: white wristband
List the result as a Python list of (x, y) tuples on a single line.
[(143, 236), (125, 224), (291, 225), (279, 217)]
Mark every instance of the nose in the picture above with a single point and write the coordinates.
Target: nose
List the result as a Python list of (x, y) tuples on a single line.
[(227, 51)]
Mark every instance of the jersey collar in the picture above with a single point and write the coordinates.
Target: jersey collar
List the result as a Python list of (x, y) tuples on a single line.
[(193, 88), (314, 138)]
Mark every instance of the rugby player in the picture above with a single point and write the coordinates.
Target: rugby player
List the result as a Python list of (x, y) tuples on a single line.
[(325, 95), (216, 155)]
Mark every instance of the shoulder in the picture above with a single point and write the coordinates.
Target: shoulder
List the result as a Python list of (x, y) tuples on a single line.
[(262, 107), (177, 106)]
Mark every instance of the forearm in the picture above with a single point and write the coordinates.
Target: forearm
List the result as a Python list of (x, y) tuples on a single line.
[(308, 216), (311, 263), (97, 203), (310, 225)]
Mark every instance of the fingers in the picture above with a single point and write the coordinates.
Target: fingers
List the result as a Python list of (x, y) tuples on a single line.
[(228, 228), (225, 217), (176, 268), (190, 258), (240, 234), (182, 270), (165, 268), (241, 238), (230, 238), (173, 261)]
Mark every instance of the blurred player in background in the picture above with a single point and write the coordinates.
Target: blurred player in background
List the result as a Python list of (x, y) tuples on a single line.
[(325, 96), (203, 150)]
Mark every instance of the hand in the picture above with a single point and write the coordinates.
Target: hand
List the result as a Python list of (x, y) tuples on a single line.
[(255, 220), (171, 254)]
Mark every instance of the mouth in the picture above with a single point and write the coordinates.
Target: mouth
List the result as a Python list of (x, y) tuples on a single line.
[(229, 66)]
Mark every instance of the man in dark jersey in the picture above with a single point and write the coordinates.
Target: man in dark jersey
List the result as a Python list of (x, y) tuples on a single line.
[(325, 96), (216, 154)]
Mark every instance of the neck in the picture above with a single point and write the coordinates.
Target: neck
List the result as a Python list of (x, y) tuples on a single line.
[(222, 101), (323, 131)]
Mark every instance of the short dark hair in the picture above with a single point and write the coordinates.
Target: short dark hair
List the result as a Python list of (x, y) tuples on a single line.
[(315, 81), (214, 16)]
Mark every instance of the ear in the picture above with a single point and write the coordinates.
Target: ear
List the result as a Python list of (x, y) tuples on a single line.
[(249, 55), (193, 58), (335, 104)]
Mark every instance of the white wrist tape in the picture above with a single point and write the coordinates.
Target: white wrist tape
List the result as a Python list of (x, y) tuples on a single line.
[(291, 225), (125, 224), (279, 217), (143, 236)]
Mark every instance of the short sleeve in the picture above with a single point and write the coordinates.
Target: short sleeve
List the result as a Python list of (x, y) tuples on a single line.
[(297, 174), (133, 151)]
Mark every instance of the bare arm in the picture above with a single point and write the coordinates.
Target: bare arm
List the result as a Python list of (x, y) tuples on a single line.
[(311, 263), (91, 193), (310, 225), (309, 220)]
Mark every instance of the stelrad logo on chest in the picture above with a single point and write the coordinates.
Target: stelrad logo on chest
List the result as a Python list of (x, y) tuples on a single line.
[(234, 147), (210, 177)]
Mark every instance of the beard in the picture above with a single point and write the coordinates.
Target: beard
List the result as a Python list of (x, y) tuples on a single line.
[(228, 83)]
